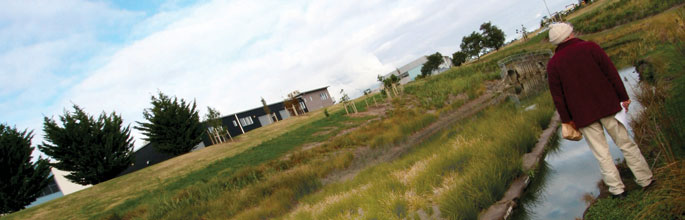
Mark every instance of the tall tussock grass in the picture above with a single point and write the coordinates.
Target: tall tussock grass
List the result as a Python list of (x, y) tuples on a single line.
[(665, 200), (460, 170), (506, 138), (620, 12), (398, 124), (435, 92), (670, 194), (272, 187)]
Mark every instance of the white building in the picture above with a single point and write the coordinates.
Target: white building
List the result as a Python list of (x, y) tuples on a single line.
[(411, 70), (58, 186)]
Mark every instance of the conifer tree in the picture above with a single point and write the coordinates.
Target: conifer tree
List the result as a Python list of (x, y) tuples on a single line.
[(173, 126), (20, 179), (92, 150)]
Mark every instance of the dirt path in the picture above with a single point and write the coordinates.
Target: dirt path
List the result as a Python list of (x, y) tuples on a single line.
[(366, 156), (372, 110)]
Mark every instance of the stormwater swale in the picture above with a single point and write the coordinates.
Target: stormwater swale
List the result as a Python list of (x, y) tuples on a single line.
[(568, 178)]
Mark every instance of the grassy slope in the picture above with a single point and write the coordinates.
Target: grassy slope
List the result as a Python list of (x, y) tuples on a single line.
[(272, 183), (205, 184), (449, 171), (103, 197)]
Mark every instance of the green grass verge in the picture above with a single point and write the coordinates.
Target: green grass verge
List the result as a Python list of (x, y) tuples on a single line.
[(227, 174)]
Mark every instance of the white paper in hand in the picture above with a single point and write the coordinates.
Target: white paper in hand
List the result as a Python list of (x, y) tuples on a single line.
[(622, 116)]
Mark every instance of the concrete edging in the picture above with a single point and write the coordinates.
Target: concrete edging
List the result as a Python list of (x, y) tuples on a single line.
[(503, 208)]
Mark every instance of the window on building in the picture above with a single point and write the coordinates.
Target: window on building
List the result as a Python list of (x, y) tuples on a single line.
[(311, 99), (246, 121), (235, 124), (324, 96), (302, 106), (50, 188)]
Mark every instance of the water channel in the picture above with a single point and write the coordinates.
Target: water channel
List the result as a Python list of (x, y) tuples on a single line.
[(570, 174)]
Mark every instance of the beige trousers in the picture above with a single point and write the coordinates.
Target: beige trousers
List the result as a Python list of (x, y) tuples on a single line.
[(594, 135)]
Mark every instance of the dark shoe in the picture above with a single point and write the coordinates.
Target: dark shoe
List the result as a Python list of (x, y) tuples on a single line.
[(619, 196), (651, 184)]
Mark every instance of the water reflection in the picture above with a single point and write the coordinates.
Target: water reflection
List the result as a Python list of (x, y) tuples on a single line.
[(568, 176), (533, 195)]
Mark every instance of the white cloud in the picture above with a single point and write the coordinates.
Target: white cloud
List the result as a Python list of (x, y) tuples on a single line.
[(229, 54), (45, 47), (27, 22)]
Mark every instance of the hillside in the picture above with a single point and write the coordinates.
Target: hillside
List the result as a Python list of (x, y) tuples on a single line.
[(447, 147)]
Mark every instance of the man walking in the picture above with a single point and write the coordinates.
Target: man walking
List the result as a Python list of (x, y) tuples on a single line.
[(587, 93)]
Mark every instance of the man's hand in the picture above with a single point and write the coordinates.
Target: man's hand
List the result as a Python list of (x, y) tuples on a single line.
[(625, 104)]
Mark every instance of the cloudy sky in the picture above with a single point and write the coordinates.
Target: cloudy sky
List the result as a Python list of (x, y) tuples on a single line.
[(113, 55)]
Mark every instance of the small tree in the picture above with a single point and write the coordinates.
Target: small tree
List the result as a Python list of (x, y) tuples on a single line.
[(367, 92), (385, 84), (173, 126), (493, 37), (216, 130), (458, 58), (432, 64), (523, 32), (20, 180), (267, 110), (345, 100), (472, 45), (393, 79), (93, 150), (389, 85), (292, 104)]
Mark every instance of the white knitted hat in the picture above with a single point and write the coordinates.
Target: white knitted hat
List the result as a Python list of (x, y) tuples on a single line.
[(558, 32)]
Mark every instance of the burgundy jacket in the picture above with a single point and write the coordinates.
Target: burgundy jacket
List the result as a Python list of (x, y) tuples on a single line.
[(584, 83)]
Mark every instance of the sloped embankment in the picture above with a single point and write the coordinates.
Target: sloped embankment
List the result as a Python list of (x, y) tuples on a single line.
[(452, 174)]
